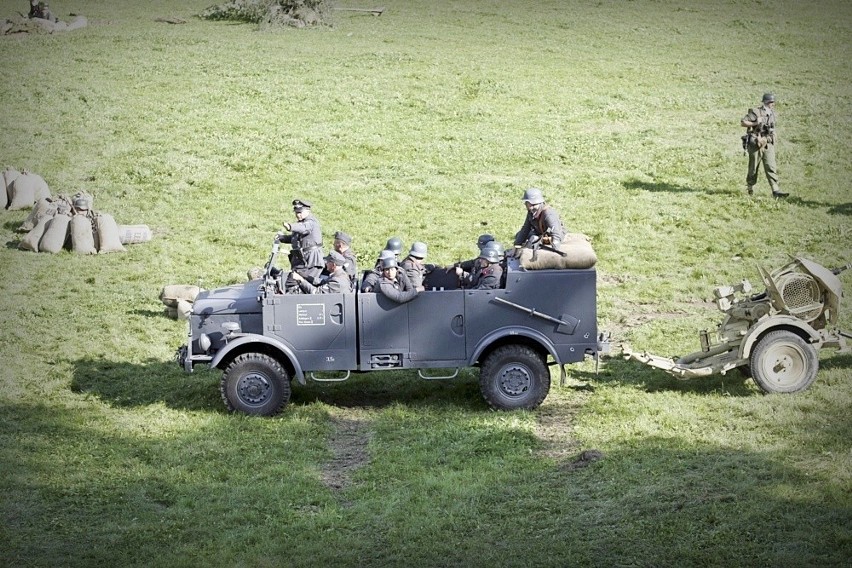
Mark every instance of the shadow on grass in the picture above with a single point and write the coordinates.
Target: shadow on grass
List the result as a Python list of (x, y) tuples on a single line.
[(656, 501), (140, 384), (649, 379), (658, 187)]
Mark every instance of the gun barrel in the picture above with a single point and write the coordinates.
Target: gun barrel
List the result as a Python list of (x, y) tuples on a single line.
[(840, 269)]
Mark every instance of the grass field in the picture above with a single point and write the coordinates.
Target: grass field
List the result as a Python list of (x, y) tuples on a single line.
[(427, 123)]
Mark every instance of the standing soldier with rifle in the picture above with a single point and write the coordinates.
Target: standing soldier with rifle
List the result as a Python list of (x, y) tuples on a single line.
[(759, 142)]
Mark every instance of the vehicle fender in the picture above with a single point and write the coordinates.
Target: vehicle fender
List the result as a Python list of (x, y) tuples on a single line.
[(252, 338), (772, 323), (513, 331)]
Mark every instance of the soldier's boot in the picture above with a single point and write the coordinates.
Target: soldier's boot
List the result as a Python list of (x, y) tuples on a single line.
[(778, 193), (750, 190)]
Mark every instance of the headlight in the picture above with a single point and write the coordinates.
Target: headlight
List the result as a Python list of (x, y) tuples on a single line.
[(204, 342)]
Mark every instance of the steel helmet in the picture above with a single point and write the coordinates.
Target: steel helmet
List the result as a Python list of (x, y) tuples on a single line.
[(418, 250), (490, 254), (483, 239), (495, 246), (533, 196), (389, 263), (394, 244), (768, 98)]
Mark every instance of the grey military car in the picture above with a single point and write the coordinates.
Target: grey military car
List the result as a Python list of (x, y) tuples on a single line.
[(262, 339)]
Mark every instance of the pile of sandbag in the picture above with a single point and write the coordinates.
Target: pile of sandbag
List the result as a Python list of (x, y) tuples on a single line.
[(575, 252), (24, 25), (58, 222), (62, 222), (178, 299)]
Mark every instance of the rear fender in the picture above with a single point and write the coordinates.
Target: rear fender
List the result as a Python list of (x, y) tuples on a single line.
[(778, 322), (245, 343), (510, 332)]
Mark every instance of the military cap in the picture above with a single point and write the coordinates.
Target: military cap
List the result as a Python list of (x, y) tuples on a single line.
[(299, 204), (336, 258), (768, 98), (418, 250), (341, 236)]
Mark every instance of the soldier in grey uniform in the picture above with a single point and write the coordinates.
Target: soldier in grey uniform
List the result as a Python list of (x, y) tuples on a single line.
[(487, 272), (759, 141), (473, 265), (393, 285), (413, 265), (337, 281), (305, 238), (343, 244), (371, 280), (542, 223)]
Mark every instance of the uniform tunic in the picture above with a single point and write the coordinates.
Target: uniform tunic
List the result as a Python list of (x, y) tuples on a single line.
[(762, 150), (538, 225)]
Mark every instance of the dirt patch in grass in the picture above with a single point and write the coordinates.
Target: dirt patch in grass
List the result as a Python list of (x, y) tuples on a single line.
[(555, 426), (348, 443)]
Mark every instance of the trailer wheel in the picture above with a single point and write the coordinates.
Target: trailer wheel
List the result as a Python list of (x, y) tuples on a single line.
[(256, 384), (783, 362), (513, 377)]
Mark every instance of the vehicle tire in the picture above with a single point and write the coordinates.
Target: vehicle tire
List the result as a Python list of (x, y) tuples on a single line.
[(255, 384), (783, 362), (513, 377)]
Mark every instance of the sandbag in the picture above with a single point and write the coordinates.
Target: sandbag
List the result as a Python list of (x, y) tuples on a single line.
[(77, 23), (82, 236), (184, 310), (55, 234), (22, 191), (577, 249), (31, 239), (107, 234), (44, 207), (132, 234), (172, 293), (9, 175)]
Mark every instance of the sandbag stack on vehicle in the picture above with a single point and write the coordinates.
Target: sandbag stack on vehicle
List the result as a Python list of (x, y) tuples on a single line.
[(576, 252), (178, 299)]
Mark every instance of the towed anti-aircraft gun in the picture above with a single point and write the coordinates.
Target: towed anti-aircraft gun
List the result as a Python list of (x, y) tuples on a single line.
[(773, 337)]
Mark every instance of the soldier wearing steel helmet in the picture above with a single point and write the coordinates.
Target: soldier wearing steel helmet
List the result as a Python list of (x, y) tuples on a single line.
[(759, 142), (542, 223), (414, 267), (393, 285), (371, 280), (489, 272)]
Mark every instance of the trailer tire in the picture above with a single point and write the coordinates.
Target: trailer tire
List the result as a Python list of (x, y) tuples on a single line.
[(256, 384), (514, 377), (783, 362)]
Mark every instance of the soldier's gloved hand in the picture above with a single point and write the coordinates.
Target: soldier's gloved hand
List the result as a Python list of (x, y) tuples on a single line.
[(278, 237), (287, 226)]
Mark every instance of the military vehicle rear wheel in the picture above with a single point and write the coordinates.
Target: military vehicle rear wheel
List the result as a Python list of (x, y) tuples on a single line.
[(513, 377), (783, 362), (256, 384)]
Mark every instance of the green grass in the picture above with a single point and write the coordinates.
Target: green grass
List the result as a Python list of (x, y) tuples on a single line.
[(428, 123)]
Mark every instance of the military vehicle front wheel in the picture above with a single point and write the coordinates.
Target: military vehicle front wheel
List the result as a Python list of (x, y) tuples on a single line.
[(783, 362), (513, 377), (256, 384)]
